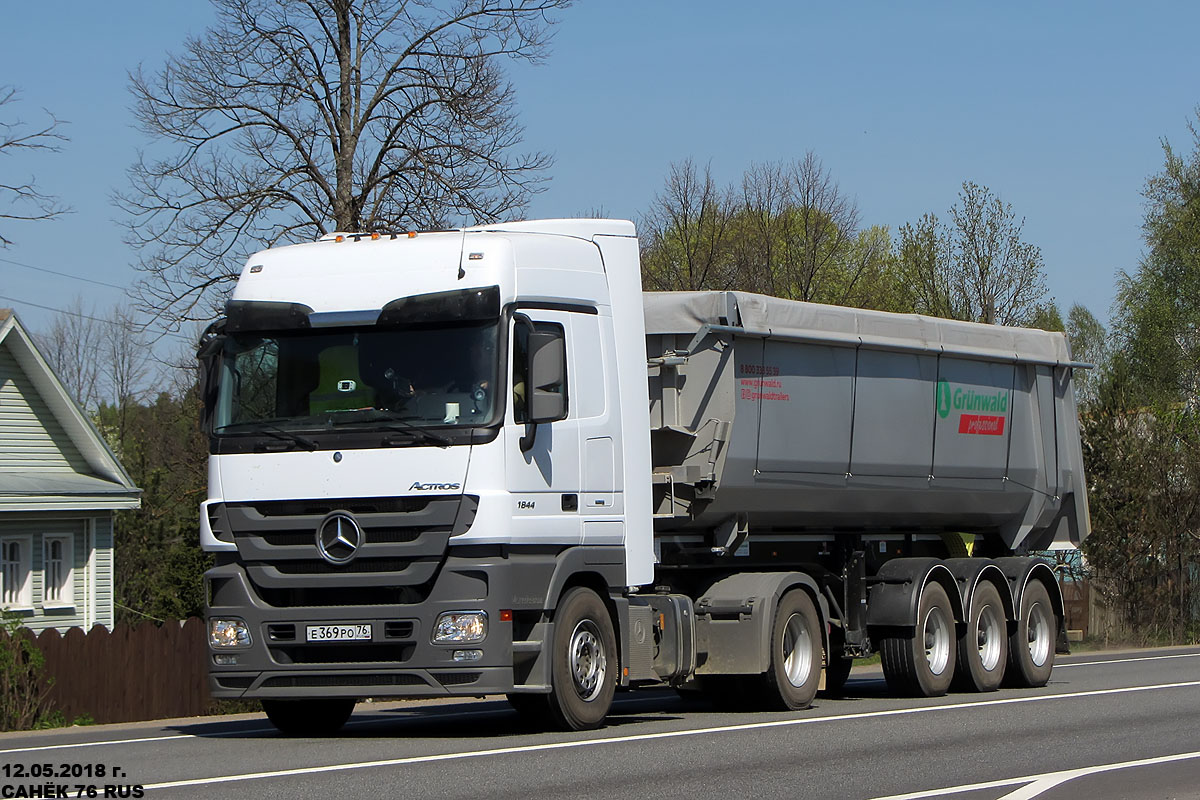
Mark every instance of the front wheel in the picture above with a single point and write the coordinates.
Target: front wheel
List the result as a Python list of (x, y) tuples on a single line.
[(1031, 647), (308, 717), (584, 661)]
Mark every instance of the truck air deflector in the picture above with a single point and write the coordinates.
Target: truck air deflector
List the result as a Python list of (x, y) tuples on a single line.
[(264, 315), (460, 305)]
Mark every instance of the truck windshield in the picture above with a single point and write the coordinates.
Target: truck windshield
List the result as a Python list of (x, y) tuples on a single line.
[(443, 375)]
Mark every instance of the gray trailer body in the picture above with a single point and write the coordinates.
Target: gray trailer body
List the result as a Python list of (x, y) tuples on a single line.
[(780, 416)]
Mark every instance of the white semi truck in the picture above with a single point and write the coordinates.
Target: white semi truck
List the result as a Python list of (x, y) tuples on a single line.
[(483, 461)]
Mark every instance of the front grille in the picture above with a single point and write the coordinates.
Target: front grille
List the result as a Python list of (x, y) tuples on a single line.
[(282, 632), (300, 538), (235, 681), (343, 596), (455, 678), (401, 629), (315, 567), (404, 541), (352, 679), (355, 505), (343, 654)]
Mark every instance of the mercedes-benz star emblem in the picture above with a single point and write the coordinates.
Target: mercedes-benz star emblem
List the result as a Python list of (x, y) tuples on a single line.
[(339, 537)]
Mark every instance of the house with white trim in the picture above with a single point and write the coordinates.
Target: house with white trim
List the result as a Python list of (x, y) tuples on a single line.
[(60, 486)]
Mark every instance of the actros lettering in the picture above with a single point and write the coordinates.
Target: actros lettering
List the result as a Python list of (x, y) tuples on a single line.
[(434, 487)]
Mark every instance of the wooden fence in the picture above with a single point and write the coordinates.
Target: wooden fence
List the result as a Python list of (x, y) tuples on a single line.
[(128, 674)]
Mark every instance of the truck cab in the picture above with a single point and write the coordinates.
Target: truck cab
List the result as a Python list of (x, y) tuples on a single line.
[(418, 443)]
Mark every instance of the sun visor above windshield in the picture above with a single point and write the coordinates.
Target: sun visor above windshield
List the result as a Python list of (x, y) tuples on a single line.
[(463, 305), (260, 315)]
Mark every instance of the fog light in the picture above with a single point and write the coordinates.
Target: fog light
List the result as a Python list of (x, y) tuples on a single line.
[(224, 660), (228, 633), (460, 626), (468, 655)]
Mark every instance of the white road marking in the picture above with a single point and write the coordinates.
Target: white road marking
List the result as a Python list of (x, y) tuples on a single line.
[(1034, 785), (643, 737), (1124, 660), (234, 734)]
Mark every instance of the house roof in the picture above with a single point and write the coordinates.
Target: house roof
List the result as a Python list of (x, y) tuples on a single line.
[(108, 486)]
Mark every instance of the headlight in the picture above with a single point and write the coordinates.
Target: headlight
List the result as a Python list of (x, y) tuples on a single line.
[(455, 627), (228, 633)]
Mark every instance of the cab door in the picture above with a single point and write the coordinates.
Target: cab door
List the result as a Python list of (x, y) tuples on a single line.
[(544, 480)]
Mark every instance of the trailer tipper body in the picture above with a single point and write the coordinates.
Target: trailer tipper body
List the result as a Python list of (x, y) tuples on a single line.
[(485, 462)]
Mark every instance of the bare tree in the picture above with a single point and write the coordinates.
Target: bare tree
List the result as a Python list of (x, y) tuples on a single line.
[(72, 347), (292, 119), (22, 199), (798, 233), (99, 359), (686, 234), (997, 277)]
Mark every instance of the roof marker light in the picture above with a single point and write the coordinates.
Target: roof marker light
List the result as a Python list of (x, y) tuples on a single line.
[(339, 238), (412, 234), (374, 236)]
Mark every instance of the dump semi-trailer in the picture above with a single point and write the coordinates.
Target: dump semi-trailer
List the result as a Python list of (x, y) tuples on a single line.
[(483, 461)]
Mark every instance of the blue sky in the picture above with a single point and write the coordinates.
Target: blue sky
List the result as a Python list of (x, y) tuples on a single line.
[(1058, 107)]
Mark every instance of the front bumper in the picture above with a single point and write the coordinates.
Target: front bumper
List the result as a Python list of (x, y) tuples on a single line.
[(400, 660)]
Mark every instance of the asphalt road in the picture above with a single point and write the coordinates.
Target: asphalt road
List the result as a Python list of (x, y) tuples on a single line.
[(1109, 725)]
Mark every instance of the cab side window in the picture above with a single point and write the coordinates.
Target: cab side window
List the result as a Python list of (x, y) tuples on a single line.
[(520, 376)]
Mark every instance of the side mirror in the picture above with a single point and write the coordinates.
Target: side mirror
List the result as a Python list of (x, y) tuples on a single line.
[(547, 356)]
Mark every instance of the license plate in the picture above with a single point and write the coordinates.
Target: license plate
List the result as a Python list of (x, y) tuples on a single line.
[(337, 633)]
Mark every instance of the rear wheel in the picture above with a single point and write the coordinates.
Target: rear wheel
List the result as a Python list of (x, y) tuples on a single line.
[(584, 661), (983, 649), (791, 680), (308, 717), (1031, 647), (921, 661)]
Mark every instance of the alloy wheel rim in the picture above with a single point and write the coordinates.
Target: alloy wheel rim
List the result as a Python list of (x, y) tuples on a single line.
[(589, 664), (797, 651)]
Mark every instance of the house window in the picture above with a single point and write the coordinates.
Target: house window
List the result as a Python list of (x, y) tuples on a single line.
[(58, 572), (16, 584)]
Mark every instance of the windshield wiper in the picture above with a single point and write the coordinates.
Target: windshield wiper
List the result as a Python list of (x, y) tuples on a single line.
[(395, 422), (417, 432), (280, 433)]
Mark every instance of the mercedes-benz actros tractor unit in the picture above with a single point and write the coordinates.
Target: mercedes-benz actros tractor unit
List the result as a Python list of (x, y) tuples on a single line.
[(485, 462)]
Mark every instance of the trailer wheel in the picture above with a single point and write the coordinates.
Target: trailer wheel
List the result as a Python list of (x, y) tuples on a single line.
[(983, 648), (837, 666), (584, 661), (791, 680), (308, 717), (920, 662), (1031, 647)]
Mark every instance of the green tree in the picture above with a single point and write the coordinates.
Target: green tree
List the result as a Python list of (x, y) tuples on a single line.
[(1158, 319), (976, 267), (158, 561), (1141, 423)]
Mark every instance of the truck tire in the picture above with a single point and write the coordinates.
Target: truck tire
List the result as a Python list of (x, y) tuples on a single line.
[(920, 662), (1031, 647), (790, 682), (584, 663), (308, 717), (983, 648)]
